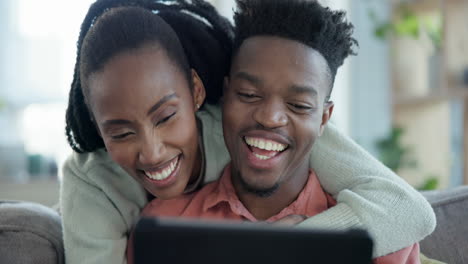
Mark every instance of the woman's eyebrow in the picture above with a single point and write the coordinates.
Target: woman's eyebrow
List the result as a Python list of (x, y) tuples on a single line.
[(151, 110), (115, 122), (161, 102)]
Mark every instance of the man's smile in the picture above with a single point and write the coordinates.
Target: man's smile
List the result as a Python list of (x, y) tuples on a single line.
[(264, 149)]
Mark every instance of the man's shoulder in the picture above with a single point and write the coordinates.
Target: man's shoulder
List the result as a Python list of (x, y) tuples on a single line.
[(191, 204), (212, 128), (210, 113)]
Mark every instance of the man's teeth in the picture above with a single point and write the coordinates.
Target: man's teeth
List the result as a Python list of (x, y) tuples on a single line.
[(161, 175), (262, 157), (265, 145)]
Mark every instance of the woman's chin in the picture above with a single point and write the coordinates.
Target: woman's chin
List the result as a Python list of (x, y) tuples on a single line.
[(168, 192)]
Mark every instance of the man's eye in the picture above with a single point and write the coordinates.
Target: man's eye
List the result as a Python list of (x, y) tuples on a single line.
[(165, 119), (300, 107), (248, 97)]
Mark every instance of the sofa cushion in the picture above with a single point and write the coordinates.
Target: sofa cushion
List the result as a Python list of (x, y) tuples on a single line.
[(29, 233), (449, 241)]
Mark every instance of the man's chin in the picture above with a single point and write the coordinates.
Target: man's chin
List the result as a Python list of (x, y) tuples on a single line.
[(260, 190)]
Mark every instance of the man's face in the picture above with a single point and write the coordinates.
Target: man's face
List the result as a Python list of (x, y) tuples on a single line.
[(274, 109)]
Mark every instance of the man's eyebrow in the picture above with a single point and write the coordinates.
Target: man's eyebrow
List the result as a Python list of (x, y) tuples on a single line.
[(160, 102), (301, 89), (248, 77)]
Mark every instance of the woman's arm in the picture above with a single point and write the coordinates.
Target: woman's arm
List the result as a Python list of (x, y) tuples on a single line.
[(99, 205), (369, 195)]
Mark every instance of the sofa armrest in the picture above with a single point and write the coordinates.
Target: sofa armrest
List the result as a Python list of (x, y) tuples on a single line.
[(449, 241), (30, 233)]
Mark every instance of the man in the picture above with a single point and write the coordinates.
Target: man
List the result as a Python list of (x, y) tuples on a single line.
[(276, 103)]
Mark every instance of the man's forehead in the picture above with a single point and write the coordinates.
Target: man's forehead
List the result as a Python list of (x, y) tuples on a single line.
[(255, 47), (280, 58)]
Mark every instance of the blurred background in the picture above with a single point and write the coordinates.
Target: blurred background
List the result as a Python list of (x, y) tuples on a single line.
[(403, 98)]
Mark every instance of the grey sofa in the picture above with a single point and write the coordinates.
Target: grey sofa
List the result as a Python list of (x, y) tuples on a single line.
[(449, 241), (30, 233), (35, 229)]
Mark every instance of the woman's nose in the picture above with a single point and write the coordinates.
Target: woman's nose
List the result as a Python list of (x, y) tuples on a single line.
[(151, 149)]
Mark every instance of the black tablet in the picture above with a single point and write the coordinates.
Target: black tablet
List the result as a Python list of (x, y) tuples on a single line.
[(164, 240)]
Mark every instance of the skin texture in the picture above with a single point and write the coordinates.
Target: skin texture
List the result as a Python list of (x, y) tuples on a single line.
[(145, 112), (276, 91)]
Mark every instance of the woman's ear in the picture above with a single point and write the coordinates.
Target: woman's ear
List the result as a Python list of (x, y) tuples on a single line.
[(225, 84), (199, 93), (326, 115), (225, 87), (93, 120)]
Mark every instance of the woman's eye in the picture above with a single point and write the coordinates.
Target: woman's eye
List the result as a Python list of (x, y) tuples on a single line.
[(121, 136), (165, 119)]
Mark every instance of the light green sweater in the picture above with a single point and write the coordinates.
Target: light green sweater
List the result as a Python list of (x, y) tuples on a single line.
[(100, 202)]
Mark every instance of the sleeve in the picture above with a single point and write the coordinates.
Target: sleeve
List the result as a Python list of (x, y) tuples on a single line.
[(95, 229), (369, 196), (408, 255)]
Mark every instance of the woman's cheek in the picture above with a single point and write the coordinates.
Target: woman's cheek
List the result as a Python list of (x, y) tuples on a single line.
[(184, 131), (121, 154)]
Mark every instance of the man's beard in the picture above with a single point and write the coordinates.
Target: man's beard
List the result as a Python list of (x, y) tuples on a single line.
[(260, 192)]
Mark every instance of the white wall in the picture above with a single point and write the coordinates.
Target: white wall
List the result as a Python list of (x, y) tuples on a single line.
[(363, 83), (37, 55), (370, 92), (341, 90)]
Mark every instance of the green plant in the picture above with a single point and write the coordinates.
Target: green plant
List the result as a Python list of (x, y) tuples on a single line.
[(393, 154), (408, 23), (431, 183)]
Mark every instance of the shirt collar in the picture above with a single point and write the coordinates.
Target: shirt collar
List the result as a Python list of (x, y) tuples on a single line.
[(224, 192), (311, 200)]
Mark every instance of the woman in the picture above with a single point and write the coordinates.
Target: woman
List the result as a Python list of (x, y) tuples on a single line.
[(139, 101)]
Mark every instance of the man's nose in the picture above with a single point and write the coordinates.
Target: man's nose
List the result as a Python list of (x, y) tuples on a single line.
[(271, 114)]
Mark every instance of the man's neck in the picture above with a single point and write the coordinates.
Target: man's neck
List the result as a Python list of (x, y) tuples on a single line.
[(263, 208)]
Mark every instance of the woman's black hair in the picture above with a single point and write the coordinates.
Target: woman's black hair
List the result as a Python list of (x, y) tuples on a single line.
[(123, 29), (206, 38)]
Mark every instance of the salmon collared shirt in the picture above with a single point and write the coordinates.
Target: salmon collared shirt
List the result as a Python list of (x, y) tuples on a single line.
[(219, 201)]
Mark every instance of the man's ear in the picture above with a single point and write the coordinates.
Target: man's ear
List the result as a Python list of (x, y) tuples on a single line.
[(199, 93), (326, 115)]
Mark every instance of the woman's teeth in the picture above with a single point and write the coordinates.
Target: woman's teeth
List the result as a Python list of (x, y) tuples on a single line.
[(265, 144), (162, 173)]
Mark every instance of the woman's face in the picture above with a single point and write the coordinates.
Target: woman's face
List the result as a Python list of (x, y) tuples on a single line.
[(145, 112)]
